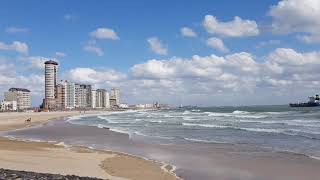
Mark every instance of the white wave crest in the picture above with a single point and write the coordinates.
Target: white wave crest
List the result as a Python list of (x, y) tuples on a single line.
[(240, 112), (186, 112), (120, 131), (262, 130), (63, 144), (203, 141), (195, 110), (205, 125), (156, 121), (236, 128), (101, 126), (108, 120), (73, 118)]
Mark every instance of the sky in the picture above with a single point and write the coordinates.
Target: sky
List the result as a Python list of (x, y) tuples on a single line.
[(205, 53)]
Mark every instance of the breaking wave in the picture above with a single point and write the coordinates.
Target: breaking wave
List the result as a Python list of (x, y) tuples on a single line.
[(237, 114)]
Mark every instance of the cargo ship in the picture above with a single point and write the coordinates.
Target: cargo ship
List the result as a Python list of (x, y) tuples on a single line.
[(313, 102)]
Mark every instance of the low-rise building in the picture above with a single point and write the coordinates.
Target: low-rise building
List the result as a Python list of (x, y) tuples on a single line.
[(21, 96), (8, 106), (124, 106), (144, 106)]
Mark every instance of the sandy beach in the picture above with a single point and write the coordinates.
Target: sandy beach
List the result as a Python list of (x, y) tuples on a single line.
[(57, 159), (15, 120), (192, 160)]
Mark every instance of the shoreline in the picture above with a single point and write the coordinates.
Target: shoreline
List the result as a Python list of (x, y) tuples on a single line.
[(193, 160), (163, 165), (264, 148), (163, 170)]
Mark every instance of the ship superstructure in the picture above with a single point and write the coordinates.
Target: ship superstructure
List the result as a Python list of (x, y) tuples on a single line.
[(313, 101)]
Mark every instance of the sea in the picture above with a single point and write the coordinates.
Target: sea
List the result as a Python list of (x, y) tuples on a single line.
[(279, 128)]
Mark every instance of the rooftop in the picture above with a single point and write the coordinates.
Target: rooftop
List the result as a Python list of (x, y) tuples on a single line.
[(51, 62), (101, 90), (19, 89)]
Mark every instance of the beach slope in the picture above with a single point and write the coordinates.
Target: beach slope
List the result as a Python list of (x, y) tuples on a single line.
[(46, 157)]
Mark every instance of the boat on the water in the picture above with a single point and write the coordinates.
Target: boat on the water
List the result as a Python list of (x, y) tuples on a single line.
[(313, 102)]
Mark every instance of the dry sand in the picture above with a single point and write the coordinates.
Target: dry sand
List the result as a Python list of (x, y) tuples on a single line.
[(49, 158), (15, 120)]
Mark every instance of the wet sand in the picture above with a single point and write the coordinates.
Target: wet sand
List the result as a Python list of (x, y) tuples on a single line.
[(205, 161), (57, 159)]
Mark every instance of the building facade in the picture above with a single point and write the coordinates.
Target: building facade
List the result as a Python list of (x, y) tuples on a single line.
[(107, 100), (70, 95), (51, 78), (8, 106), (93, 98), (100, 98), (21, 96), (115, 97), (60, 96), (83, 96)]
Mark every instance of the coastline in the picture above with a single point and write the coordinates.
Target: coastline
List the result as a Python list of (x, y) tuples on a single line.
[(76, 160), (16, 120), (135, 156), (194, 160)]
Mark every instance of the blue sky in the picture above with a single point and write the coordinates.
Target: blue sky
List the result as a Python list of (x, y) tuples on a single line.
[(134, 22), (64, 30)]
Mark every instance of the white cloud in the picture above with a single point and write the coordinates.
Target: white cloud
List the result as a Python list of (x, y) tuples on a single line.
[(69, 17), (14, 75), (187, 32), (7, 73), (209, 67), (233, 79), (195, 78), (16, 30), (154, 69), (217, 44), (34, 63), (157, 46), (93, 49), (268, 43), (293, 70), (93, 76), (17, 46), (104, 33), (235, 28), (297, 16), (243, 61), (33, 82), (309, 39), (60, 54), (242, 76)]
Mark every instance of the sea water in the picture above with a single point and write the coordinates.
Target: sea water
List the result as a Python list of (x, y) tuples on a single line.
[(279, 128)]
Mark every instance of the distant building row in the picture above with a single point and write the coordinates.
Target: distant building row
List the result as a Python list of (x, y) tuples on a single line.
[(70, 95), (16, 99)]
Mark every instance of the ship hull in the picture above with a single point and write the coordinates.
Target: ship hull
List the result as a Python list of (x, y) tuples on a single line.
[(304, 105)]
